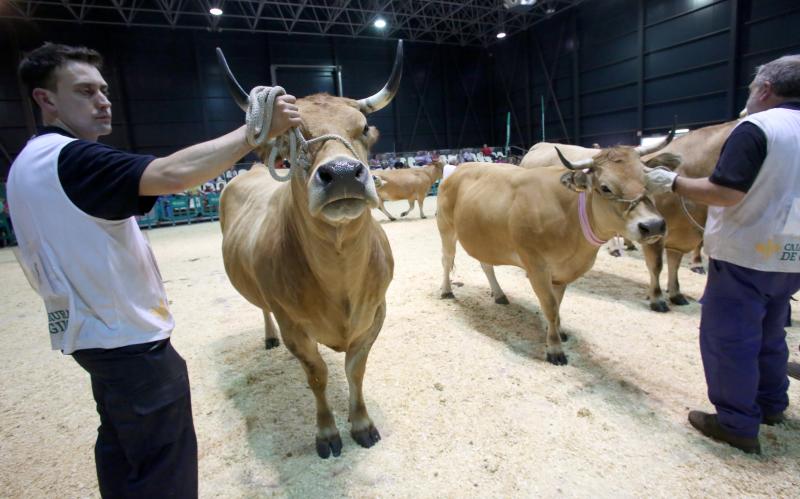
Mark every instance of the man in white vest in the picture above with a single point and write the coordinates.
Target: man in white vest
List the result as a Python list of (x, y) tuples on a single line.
[(752, 237), (73, 202)]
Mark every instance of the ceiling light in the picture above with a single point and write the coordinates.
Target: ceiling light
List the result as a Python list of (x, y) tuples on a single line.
[(682, 130), (501, 35), (215, 11), (550, 10), (380, 23)]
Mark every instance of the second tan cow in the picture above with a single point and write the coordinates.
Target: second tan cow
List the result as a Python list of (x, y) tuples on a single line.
[(531, 218), (699, 152), (411, 184)]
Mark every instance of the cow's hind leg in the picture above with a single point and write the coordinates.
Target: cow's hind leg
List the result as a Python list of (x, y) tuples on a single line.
[(410, 207), (270, 331), (361, 426), (697, 260), (384, 210), (654, 257), (448, 234), (674, 258), (497, 292), (305, 349)]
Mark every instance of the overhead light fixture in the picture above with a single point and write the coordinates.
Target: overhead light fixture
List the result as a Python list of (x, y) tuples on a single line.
[(682, 130), (215, 11), (550, 11), (501, 35), (379, 23)]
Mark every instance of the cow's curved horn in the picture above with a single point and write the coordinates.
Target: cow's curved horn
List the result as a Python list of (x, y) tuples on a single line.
[(387, 93), (642, 150), (577, 165), (238, 94)]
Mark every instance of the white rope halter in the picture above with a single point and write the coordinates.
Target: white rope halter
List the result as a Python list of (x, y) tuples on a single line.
[(259, 119)]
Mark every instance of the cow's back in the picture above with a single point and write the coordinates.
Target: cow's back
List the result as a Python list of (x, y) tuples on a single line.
[(699, 150), (401, 184), (544, 154), (497, 209)]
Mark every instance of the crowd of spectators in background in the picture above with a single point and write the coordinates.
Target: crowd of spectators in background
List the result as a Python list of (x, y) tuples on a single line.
[(393, 161)]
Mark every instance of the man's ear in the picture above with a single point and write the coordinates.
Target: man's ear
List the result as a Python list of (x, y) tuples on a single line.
[(43, 98), (577, 181)]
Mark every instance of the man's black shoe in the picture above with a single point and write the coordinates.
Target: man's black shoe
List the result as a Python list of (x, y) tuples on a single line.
[(772, 419), (708, 425)]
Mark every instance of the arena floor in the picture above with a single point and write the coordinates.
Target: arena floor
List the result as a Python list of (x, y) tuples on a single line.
[(459, 390)]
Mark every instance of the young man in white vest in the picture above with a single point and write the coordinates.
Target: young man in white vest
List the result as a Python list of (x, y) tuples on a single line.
[(752, 237), (73, 201)]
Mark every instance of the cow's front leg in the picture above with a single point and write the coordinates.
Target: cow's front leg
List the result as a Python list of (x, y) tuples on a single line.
[(305, 349), (420, 202), (384, 210), (361, 426), (654, 257), (674, 258), (410, 207), (549, 301)]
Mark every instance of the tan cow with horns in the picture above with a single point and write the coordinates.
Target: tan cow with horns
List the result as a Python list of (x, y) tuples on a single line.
[(308, 252), (548, 221)]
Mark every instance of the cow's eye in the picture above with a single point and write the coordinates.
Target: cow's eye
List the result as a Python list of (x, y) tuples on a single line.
[(605, 189)]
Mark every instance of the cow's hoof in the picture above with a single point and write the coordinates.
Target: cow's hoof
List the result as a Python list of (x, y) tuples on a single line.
[(678, 300), (403, 214), (563, 336), (392, 219), (557, 359), (448, 296), (328, 446), (271, 343), (659, 306), (616, 253), (423, 216), (501, 300), (698, 270), (367, 437)]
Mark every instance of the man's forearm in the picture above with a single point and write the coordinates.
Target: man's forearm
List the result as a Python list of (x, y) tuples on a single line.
[(194, 165), (703, 191)]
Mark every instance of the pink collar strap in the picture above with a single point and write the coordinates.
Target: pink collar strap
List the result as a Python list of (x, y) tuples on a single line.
[(586, 228)]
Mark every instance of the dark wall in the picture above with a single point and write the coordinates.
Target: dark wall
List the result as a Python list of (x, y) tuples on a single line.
[(168, 93), (625, 66), (605, 71)]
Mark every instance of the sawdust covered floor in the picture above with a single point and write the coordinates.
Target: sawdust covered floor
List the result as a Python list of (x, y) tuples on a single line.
[(459, 390)]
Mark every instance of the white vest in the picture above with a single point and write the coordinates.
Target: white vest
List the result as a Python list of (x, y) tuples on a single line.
[(762, 231), (98, 278)]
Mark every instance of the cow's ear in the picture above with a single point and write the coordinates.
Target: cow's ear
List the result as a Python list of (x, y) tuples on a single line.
[(667, 159), (577, 181)]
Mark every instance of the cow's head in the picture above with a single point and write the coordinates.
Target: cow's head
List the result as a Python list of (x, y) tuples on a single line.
[(614, 181), (337, 186), (437, 168)]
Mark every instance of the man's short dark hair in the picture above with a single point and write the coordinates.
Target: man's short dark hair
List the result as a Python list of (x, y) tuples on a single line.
[(37, 69)]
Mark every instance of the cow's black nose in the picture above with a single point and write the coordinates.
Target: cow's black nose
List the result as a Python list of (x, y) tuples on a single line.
[(653, 227), (341, 170)]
